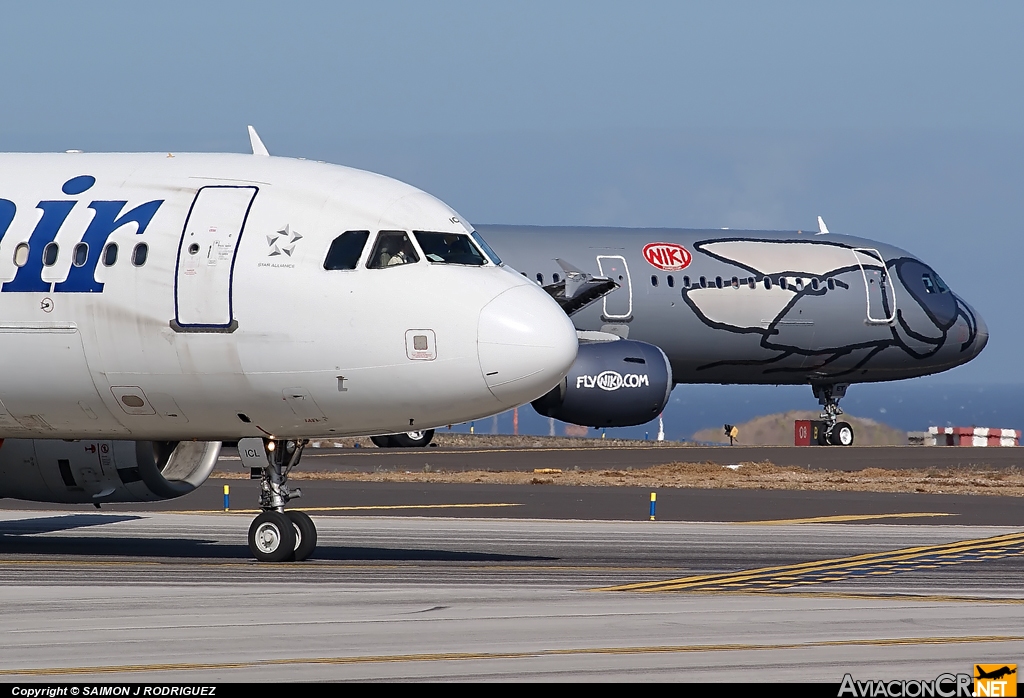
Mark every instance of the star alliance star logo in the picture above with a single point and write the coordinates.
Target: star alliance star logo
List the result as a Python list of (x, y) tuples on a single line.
[(283, 242)]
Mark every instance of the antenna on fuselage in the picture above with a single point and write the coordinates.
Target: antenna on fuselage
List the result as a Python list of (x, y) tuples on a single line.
[(257, 145), (822, 228)]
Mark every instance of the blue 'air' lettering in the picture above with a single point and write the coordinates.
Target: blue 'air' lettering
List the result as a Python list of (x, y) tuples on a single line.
[(30, 276), (7, 211), (107, 219), (83, 279)]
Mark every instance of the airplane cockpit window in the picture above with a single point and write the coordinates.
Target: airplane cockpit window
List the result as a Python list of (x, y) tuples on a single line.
[(933, 284), (495, 259), (393, 248), (346, 250), (449, 248)]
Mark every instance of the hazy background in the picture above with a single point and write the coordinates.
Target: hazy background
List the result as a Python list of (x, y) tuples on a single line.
[(898, 122)]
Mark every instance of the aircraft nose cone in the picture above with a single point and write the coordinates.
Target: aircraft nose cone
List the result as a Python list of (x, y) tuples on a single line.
[(525, 343), (982, 337)]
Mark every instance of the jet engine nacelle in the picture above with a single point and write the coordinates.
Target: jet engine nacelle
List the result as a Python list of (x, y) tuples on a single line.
[(93, 472), (612, 384)]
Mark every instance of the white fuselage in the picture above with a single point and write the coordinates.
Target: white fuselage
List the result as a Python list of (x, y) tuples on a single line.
[(232, 326)]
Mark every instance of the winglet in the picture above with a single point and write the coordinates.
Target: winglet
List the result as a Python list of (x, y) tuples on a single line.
[(822, 228), (257, 145)]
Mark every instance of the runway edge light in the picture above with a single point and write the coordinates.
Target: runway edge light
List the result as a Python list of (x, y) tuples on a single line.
[(654, 501)]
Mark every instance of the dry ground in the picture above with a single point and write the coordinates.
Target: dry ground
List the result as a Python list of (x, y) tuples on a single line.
[(710, 475)]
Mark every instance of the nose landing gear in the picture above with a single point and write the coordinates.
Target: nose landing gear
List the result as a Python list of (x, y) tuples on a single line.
[(835, 433), (277, 535)]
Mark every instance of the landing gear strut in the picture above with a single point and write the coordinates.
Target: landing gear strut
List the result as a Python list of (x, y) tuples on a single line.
[(277, 535), (835, 433)]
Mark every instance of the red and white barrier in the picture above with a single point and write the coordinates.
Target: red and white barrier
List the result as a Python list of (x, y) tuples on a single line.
[(972, 436)]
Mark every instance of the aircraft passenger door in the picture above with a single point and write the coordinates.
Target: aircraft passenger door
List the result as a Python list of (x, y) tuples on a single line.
[(618, 305), (878, 288), (206, 259)]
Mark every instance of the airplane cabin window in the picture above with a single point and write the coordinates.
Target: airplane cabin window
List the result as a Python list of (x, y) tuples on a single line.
[(555, 278), (670, 281), (831, 285), (81, 254), (768, 282), (540, 278), (654, 280), (139, 254), (50, 254), (703, 282), (735, 282), (21, 254), (346, 249), (393, 248), (110, 254), (782, 283), (799, 284), (752, 282), (449, 248), (718, 281), (686, 282), (814, 284)]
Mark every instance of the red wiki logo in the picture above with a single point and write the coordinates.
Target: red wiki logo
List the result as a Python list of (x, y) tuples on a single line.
[(667, 256)]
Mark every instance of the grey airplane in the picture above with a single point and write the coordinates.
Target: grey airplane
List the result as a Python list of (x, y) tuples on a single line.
[(659, 307)]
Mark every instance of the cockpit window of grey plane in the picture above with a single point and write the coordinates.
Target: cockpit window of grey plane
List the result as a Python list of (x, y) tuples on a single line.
[(449, 248), (346, 250), (393, 248)]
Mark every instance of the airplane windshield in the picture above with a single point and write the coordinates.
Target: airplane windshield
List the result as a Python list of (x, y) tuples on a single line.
[(495, 259), (449, 248), (393, 248)]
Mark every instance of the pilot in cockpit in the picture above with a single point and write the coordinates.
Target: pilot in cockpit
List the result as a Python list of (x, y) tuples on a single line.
[(394, 249)]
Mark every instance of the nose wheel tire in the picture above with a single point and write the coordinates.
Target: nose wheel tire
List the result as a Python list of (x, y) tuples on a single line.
[(272, 537), (305, 534), (842, 435)]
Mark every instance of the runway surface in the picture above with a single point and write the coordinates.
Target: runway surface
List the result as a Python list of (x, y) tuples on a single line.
[(175, 597), (480, 500), (823, 457), (493, 582)]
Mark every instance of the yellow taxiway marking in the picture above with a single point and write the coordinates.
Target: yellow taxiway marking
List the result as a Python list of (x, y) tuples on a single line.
[(791, 574), (836, 519), (369, 507), (463, 656)]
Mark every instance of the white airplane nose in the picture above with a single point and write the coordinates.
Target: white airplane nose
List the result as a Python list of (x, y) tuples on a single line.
[(526, 344)]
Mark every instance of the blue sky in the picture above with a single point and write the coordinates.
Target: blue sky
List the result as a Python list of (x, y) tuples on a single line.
[(895, 121)]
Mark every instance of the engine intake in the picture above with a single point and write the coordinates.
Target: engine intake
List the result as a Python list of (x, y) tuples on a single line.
[(612, 384), (78, 472)]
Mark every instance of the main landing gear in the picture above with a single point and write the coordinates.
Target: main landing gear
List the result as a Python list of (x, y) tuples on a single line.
[(410, 439), (277, 535), (835, 433)]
